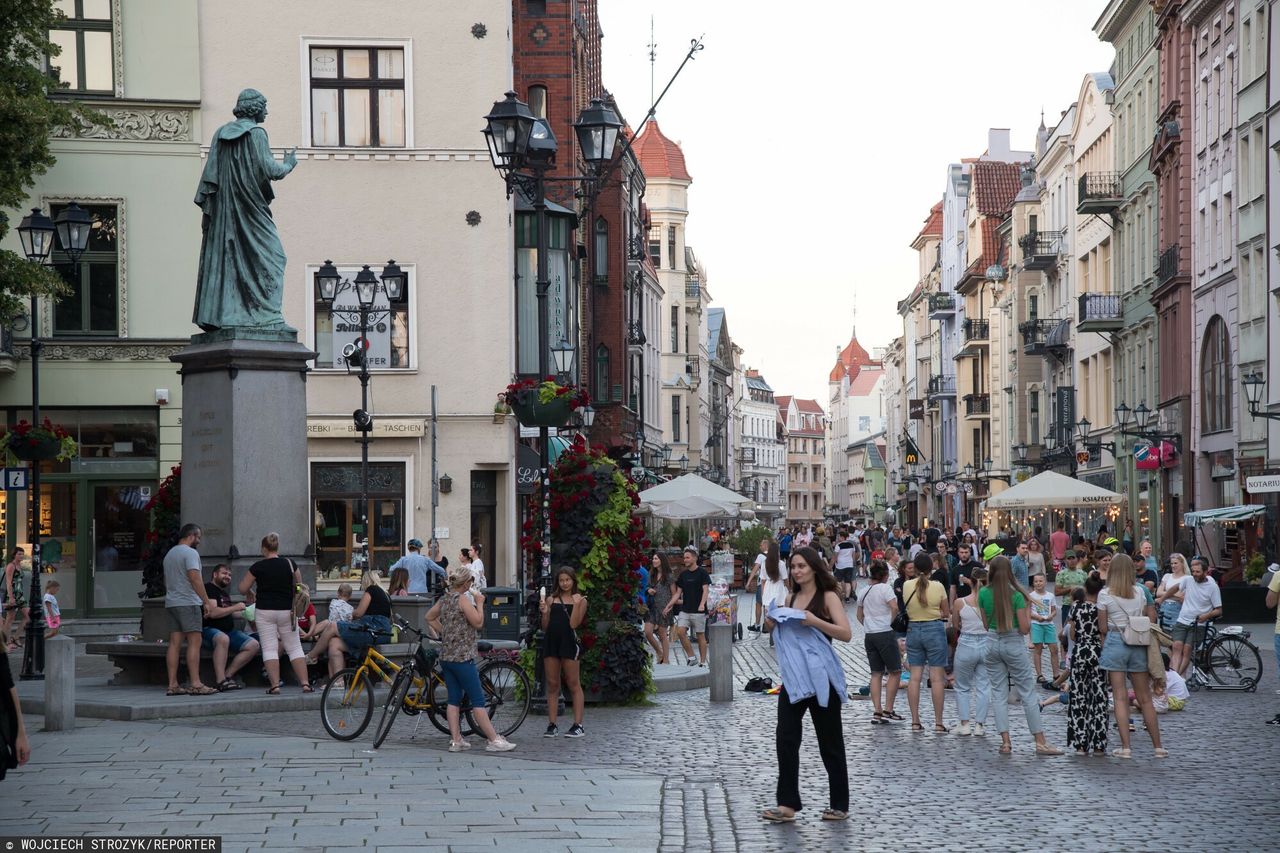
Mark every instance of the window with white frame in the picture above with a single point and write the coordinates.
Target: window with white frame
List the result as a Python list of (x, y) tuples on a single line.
[(357, 96), (389, 326), (84, 38)]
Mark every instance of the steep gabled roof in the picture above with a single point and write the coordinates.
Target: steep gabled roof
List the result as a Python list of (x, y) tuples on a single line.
[(932, 225), (659, 156), (812, 407), (865, 382), (850, 361)]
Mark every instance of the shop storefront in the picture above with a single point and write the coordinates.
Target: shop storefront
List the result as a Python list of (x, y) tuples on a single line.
[(93, 516)]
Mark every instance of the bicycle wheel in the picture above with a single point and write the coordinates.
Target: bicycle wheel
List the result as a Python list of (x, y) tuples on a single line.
[(507, 694), (1234, 663), (346, 710), (395, 699)]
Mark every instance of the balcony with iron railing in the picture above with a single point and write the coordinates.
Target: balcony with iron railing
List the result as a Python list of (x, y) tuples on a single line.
[(977, 331), (977, 405), (693, 290), (693, 369), (1099, 192), (941, 386), (1040, 249), (1043, 337), (1099, 312), (635, 334), (941, 305), (1167, 265)]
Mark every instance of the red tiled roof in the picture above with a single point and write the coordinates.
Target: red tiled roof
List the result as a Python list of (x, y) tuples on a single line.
[(865, 381), (783, 401), (995, 185), (813, 407), (932, 223), (659, 156)]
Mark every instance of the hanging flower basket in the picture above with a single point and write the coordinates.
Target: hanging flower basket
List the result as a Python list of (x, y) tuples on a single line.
[(545, 403), (30, 443)]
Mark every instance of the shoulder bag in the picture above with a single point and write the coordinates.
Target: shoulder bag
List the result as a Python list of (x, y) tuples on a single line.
[(301, 598), (902, 621), (1137, 629)]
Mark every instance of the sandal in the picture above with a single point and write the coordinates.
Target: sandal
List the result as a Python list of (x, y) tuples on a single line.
[(228, 684), (877, 718), (1121, 753), (895, 716), (778, 816), (1047, 749), (202, 690), (273, 691), (940, 729), (1005, 749), (1161, 752), (916, 729), (834, 814), (307, 688), (176, 691)]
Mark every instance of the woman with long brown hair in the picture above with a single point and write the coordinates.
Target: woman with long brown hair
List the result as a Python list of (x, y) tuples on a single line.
[(1004, 608), (657, 622), (562, 614), (802, 642), (1119, 605)]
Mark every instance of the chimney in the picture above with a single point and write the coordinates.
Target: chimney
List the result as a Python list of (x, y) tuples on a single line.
[(998, 144)]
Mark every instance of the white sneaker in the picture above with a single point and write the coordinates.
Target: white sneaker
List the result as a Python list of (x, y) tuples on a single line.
[(458, 745), (978, 730), (963, 730), (499, 745)]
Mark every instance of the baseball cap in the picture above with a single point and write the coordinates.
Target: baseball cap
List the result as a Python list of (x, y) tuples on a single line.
[(1111, 542), (415, 543), (992, 551)]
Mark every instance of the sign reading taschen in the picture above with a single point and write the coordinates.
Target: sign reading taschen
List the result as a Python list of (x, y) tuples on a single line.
[(382, 428)]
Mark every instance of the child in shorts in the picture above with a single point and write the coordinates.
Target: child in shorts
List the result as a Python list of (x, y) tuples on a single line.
[(1044, 606), (52, 613)]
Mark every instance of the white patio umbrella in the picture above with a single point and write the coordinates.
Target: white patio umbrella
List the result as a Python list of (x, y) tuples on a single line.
[(1051, 490), (690, 496)]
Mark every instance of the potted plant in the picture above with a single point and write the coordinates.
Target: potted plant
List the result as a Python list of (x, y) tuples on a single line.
[(501, 410), (543, 403), (1247, 601), (33, 443)]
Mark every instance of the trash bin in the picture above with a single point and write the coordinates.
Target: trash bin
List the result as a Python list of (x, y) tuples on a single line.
[(502, 613)]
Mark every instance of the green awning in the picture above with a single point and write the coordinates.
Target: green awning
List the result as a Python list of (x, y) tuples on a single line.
[(1244, 512)]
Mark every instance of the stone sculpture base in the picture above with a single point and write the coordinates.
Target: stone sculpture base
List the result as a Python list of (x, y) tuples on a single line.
[(244, 447)]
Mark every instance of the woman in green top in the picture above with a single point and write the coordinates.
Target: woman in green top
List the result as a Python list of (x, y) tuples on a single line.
[(1004, 608)]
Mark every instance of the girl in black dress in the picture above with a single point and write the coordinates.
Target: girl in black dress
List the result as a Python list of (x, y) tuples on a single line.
[(562, 612)]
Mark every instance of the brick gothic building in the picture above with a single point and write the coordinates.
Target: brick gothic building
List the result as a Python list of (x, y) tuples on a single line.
[(596, 243), (1171, 163)]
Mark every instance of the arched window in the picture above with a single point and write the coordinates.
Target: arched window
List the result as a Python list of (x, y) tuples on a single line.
[(602, 373), (538, 101), (1215, 377), (601, 251)]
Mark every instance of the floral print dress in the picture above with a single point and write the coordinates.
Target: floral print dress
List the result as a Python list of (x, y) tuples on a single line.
[(1087, 710)]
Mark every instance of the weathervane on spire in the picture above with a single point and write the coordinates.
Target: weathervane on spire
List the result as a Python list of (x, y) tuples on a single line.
[(653, 58)]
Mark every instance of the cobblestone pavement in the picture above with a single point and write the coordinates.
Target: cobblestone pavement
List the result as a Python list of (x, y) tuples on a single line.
[(682, 774)]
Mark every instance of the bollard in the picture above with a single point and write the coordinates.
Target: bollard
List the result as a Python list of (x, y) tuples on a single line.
[(59, 684), (720, 640)]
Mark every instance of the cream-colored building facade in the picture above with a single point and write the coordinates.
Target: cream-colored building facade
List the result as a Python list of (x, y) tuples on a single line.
[(384, 108)]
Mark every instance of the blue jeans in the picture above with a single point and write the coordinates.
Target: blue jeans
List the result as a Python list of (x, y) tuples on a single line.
[(1008, 661), (462, 678), (972, 683), (927, 644)]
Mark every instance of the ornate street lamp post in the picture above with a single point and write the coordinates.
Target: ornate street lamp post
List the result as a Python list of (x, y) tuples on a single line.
[(37, 234), (329, 285)]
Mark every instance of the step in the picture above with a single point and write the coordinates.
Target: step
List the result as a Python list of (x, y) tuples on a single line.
[(104, 630)]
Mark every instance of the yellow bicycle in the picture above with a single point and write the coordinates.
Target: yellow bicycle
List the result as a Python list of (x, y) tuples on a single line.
[(417, 686)]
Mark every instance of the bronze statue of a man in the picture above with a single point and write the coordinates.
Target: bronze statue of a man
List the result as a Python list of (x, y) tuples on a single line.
[(240, 283)]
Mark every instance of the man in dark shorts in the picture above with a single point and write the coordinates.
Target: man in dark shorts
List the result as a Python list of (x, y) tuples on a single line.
[(693, 585), (186, 602), (220, 633), (876, 610)]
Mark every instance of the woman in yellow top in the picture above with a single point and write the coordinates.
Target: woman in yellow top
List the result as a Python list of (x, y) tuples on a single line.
[(926, 604)]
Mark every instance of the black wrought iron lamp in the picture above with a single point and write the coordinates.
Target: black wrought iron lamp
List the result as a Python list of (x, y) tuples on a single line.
[(1254, 387)]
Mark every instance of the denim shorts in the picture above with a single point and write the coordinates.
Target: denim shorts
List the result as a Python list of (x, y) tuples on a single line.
[(462, 678), (1118, 657), (237, 639), (927, 644)]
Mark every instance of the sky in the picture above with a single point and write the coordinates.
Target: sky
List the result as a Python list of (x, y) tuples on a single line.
[(818, 142)]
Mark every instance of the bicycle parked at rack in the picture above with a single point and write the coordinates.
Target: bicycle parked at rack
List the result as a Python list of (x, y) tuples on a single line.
[(417, 686), (1225, 660)]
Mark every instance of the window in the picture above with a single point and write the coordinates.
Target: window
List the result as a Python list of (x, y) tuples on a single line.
[(864, 423), (357, 96), (1033, 418), (92, 308), (602, 372), (671, 247), (536, 7), (538, 101), (84, 39), (1215, 377), (601, 259), (675, 417), (388, 332), (563, 321), (675, 328)]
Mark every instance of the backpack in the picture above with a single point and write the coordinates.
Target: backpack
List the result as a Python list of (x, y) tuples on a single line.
[(759, 684)]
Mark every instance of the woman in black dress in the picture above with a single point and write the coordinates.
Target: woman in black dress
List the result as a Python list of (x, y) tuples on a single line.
[(657, 622), (562, 613), (1087, 683)]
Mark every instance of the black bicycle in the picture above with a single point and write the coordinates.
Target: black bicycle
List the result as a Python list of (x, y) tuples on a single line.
[(1225, 660)]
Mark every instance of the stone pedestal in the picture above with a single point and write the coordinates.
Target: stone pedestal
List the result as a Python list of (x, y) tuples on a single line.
[(720, 658), (244, 447), (59, 684)]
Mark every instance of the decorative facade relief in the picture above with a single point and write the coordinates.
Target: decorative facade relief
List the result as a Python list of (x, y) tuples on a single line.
[(54, 350), (141, 124)]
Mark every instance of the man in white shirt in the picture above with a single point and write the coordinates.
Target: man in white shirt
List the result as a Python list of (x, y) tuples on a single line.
[(1201, 603), (844, 563), (876, 610)]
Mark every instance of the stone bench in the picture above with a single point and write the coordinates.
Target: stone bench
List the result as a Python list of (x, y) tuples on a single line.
[(411, 608)]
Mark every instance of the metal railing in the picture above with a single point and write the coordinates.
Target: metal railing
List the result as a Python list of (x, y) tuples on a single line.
[(635, 334), (941, 302), (1099, 186), (977, 404), (942, 385), (1167, 264), (1099, 307), (977, 330), (693, 290)]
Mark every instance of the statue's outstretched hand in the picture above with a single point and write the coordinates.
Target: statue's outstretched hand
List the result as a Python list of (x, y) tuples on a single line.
[(291, 158)]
